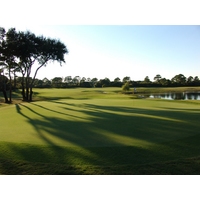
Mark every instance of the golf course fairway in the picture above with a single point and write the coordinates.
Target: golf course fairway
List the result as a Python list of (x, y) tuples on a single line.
[(99, 131)]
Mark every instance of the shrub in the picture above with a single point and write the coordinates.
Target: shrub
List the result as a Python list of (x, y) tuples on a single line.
[(126, 87)]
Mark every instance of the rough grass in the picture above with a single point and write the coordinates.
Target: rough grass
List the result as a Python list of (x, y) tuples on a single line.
[(99, 131)]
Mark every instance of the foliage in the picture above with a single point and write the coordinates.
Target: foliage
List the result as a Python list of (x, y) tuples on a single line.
[(147, 80), (126, 87), (157, 78), (116, 80), (179, 79), (23, 50), (126, 79), (69, 82), (103, 82), (56, 82)]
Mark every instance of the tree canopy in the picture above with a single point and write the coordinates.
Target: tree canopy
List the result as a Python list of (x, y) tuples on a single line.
[(22, 50)]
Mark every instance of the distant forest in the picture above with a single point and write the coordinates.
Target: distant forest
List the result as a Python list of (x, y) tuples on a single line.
[(77, 81)]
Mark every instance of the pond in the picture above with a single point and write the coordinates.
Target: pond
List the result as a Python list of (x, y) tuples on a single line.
[(177, 96)]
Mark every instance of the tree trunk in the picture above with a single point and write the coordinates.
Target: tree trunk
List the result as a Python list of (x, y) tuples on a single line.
[(4, 88), (32, 82), (5, 96), (4, 91), (10, 89), (15, 82), (31, 94), (27, 93), (23, 89)]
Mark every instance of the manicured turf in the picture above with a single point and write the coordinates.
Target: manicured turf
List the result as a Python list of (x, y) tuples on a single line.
[(99, 131)]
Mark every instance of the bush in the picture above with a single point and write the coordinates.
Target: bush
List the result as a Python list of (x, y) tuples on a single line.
[(126, 87)]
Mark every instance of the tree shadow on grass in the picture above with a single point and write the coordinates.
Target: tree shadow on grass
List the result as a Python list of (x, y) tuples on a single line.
[(112, 136)]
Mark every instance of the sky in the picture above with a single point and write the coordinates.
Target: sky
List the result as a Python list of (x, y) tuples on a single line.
[(118, 50)]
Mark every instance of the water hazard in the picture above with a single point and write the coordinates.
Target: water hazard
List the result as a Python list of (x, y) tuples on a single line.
[(177, 96)]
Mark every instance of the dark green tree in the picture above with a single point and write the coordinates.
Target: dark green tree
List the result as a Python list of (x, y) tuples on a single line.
[(147, 80), (157, 78), (105, 82), (196, 80), (76, 80), (46, 83), (165, 82), (68, 80), (32, 50), (3, 83), (126, 79), (56, 82), (179, 80), (83, 80), (190, 80), (7, 59), (116, 80), (94, 82)]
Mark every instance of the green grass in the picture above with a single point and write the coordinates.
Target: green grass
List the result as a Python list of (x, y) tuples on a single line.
[(99, 131)]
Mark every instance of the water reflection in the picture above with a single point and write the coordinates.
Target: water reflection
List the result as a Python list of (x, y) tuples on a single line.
[(177, 96)]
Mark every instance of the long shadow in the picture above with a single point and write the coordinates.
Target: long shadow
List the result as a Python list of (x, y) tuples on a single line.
[(145, 127), (58, 98), (183, 109), (55, 111), (114, 135), (94, 110), (51, 110)]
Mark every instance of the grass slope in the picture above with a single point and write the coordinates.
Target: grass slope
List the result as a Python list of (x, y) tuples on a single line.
[(99, 131)]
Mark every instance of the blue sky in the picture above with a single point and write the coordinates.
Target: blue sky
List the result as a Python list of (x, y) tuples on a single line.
[(112, 39), (123, 50)]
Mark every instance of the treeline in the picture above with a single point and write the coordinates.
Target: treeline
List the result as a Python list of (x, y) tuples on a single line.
[(69, 82), (77, 81)]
